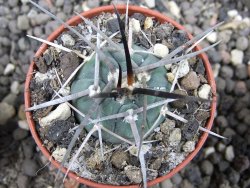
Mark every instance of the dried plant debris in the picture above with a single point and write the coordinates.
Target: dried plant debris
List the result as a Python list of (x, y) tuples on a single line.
[(118, 112)]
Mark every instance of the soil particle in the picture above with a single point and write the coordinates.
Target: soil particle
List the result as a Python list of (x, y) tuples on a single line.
[(191, 81), (163, 31), (112, 25), (167, 126), (202, 115), (133, 173), (119, 159), (156, 164), (58, 133), (199, 67), (190, 129), (69, 62), (41, 65)]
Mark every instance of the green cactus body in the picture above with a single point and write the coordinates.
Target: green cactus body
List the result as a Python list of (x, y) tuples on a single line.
[(110, 106)]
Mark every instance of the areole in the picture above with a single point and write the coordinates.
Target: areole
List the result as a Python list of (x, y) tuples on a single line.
[(122, 9)]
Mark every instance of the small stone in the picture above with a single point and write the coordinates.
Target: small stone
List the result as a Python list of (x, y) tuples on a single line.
[(193, 174), (136, 26), (208, 151), (15, 87), (59, 3), (22, 181), (240, 88), (226, 71), (7, 112), (10, 99), (183, 69), (9, 69), (242, 43), (185, 183), (177, 179), (229, 153), (23, 22), (221, 147), (59, 153), (112, 25), (20, 134), (67, 40), (204, 91), (237, 57), (119, 159), (207, 167), (241, 71), (156, 164), (167, 183), (41, 65), (216, 69), (21, 112), (175, 136), (40, 77), (189, 146), (226, 57), (133, 173), (62, 112), (212, 38), (232, 13), (167, 126), (161, 50), (233, 176), (23, 124), (174, 8), (170, 77), (29, 167), (191, 81), (220, 84), (69, 62), (150, 3), (148, 23), (241, 163)]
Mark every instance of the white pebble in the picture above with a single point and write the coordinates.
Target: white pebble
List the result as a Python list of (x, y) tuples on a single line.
[(9, 69), (40, 77), (183, 69), (204, 91), (62, 112), (212, 37), (232, 13), (15, 87), (68, 40), (59, 153), (148, 23), (23, 124), (175, 135), (216, 69), (221, 147), (208, 151), (170, 77), (150, 3), (174, 9), (189, 146), (136, 26), (229, 153), (237, 57), (161, 50)]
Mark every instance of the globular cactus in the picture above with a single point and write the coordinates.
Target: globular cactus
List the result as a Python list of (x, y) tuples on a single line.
[(110, 106)]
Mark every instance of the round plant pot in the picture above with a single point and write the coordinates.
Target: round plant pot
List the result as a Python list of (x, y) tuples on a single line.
[(122, 9)]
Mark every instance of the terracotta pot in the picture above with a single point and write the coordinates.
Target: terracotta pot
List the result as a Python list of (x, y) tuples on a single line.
[(122, 9)]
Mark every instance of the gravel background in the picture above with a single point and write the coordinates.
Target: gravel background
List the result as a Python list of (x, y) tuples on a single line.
[(221, 163)]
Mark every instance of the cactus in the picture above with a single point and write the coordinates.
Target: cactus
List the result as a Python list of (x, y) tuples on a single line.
[(110, 106)]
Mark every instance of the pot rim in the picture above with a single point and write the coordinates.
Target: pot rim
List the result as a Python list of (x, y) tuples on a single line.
[(122, 9)]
